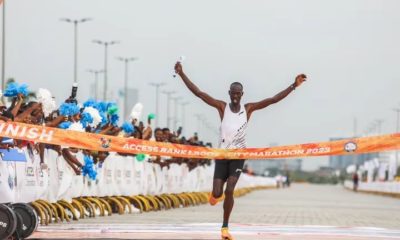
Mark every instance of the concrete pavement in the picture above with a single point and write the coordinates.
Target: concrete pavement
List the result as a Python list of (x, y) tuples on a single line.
[(303, 211)]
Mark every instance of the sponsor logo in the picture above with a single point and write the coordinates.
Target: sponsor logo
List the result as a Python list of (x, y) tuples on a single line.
[(350, 147), (105, 142), (30, 172)]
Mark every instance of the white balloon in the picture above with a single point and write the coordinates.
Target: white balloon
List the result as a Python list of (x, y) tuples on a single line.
[(136, 111), (45, 97)]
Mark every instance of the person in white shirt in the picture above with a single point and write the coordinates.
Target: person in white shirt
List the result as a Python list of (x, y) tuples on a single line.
[(234, 118)]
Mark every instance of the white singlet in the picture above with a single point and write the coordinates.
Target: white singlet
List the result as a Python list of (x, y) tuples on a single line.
[(233, 128)]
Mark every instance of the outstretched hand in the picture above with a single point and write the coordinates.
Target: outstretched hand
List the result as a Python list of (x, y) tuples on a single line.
[(20, 97), (178, 68), (300, 79)]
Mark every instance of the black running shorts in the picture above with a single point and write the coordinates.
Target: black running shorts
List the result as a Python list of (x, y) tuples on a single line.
[(227, 168)]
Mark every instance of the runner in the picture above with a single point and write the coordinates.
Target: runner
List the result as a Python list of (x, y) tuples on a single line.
[(234, 118)]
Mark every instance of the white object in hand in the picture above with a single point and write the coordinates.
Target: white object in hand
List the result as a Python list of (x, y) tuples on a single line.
[(180, 60)]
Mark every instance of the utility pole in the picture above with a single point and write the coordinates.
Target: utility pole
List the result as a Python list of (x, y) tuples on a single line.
[(157, 86), (199, 118), (397, 110), (75, 22), (379, 125), (96, 81), (105, 44), (176, 101), (3, 52), (183, 104), (169, 94), (126, 62)]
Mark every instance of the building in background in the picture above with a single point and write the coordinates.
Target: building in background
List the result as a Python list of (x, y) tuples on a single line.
[(272, 166)]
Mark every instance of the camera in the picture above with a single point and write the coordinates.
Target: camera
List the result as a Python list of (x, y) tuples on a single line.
[(179, 131), (72, 98), (74, 90)]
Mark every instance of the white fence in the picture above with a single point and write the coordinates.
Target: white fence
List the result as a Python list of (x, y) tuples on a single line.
[(376, 187), (118, 175)]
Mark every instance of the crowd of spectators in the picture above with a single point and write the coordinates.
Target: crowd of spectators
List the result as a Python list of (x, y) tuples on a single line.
[(91, 116)]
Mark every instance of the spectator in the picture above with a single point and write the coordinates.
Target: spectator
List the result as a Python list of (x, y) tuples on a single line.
[(355, 181)]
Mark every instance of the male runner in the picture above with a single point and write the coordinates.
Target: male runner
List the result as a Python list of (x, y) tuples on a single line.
[(234, 117)]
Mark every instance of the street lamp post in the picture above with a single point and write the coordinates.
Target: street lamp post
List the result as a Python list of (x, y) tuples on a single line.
[(75, 22), (3, 52), (126, 61), (200, 118), (183, 104), (105, 44), (208, 126), (379, 125), (169, 94), (157, 86), (176, 101), (397, 110), (96, 81)]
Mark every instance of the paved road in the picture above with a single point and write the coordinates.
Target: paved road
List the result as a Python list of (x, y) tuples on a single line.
[(301, 212)]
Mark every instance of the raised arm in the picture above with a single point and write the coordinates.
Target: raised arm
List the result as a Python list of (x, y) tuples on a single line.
[(218, 104), (27, 112), (251, 107), (15, 109)]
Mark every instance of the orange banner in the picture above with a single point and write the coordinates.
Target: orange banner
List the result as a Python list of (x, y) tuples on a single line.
[(99, 142)]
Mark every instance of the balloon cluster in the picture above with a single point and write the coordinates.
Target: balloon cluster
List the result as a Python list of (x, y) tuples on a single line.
[(69, 109), (127, 127), (104, 109), (86, 119), (13, 89)]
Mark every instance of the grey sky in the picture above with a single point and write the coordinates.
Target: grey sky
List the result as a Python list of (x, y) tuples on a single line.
[(349, 49)]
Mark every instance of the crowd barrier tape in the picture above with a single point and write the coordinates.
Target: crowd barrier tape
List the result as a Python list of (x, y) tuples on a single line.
[(99, 142)]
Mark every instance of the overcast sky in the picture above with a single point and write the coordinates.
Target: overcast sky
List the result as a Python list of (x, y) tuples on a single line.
[(349, 50)]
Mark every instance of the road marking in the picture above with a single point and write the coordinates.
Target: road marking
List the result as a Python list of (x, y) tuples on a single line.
[(210, 231)]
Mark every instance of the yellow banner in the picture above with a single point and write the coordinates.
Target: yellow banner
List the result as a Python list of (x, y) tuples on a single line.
[(99, 142)]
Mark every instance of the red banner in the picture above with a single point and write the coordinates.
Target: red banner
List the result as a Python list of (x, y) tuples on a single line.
[(99, 142)]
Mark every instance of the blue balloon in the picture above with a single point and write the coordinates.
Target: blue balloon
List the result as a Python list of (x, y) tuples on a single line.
[(65, 125), (128, 127), (69, 109)]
